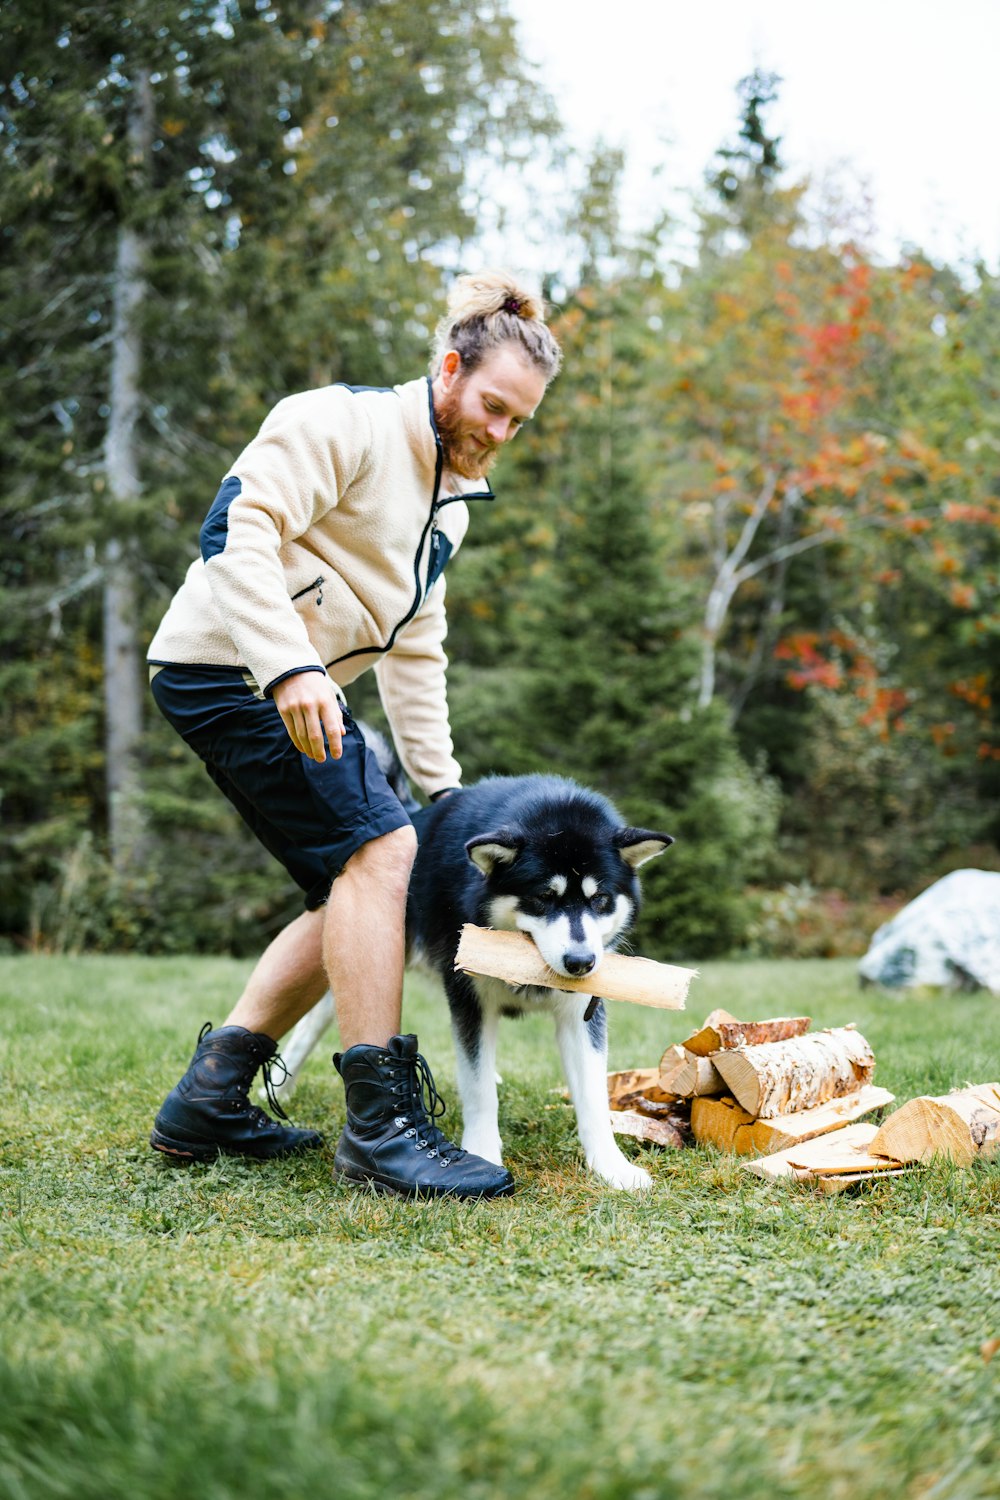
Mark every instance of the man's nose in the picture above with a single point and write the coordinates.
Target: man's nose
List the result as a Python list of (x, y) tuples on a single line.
[(499, 429)]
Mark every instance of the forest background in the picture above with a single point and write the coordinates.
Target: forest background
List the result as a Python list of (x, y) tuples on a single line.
[(743, 570)]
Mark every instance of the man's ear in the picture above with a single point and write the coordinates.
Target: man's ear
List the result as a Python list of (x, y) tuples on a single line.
[(636, 845), (488, 850), (450, 366)]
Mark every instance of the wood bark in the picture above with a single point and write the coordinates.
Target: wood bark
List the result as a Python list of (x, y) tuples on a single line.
[(646, 1128), (779, 1077), (513, 957), (123, 687), (725, 1124), (639, 1088), (962, 1126), (725, 1033)]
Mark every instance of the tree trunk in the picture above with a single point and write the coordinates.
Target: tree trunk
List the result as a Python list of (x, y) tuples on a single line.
[(123, 689)]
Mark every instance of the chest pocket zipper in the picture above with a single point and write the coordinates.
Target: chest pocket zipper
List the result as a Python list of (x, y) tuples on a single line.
[(441, 550), (316, 584)]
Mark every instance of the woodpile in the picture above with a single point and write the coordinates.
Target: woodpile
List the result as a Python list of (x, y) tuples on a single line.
[(766, 1085), (795, 1100)]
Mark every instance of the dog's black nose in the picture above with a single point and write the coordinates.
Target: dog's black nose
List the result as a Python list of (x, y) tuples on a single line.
[(579, 964)]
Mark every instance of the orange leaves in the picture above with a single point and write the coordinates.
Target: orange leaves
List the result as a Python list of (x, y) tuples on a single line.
[(835, 662), (972, 690), (812, 668), (986, 514), (885, 710)]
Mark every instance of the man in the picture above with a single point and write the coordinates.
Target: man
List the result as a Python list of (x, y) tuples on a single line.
[(322, 555)]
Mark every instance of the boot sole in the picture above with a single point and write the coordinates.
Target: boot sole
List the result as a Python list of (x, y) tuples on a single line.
[(184, 1153), (390, 1190)]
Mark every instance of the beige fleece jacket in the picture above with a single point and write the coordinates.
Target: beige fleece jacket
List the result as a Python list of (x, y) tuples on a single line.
[(323, 550)]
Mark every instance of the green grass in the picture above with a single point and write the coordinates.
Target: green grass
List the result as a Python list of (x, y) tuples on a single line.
[(241, 1330)]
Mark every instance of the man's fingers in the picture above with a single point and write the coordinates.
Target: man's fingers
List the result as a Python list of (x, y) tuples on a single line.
[(314, 746), (308, 708), (334, 726)]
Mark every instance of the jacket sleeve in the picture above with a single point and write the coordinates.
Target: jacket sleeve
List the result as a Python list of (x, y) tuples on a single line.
[(411, 684), (307, 452)]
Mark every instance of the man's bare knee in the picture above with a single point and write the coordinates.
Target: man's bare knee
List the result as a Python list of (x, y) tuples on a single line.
[(389, 858)]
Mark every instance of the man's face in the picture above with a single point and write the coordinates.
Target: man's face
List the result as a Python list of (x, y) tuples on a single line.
[(477, 413)]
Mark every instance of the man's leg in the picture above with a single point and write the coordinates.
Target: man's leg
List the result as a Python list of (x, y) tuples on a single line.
[(364, 938), (360, 934), (288, 980)]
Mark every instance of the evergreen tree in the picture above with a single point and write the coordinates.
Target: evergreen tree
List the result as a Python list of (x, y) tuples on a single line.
[(279, 219)]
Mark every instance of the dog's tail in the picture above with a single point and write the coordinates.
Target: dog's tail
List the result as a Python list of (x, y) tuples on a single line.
[(390, 765)]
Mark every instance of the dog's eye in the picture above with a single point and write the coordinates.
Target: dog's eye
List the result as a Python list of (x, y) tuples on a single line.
[(533, 906), (603, 903)]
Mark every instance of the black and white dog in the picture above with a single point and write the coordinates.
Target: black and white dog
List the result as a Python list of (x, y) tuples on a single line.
[(541, 855), (536, 854)]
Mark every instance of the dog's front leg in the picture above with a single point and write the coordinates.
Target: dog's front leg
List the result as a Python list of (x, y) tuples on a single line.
[(583, 1046), (474, 1029), (304, 1037)]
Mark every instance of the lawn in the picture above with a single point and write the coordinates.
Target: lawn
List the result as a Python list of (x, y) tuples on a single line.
[(240, 1330)]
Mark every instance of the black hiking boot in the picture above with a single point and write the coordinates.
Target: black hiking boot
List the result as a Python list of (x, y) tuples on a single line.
[(390, 1140), (208, 1114)]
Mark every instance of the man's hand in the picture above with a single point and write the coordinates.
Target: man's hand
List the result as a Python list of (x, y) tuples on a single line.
[(308, 705)]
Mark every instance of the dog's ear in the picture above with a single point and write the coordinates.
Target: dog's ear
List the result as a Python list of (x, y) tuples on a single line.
[(636, 845), (488, 850)]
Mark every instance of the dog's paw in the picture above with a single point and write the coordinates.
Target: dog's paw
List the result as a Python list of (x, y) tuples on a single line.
[(481, 1143), (623, 1175)]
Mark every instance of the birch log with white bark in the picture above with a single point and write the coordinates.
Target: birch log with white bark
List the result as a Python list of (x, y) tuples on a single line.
[(123, 689), (779, 1077)]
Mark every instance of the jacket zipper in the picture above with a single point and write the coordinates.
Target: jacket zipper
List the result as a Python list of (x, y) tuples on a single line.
[(317, 583)]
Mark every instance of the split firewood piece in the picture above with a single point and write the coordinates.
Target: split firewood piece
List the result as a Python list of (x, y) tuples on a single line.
[(639, 1088), (722, 1032), (962, 1126), (779, 1077), (719, 1122), (853, 1179), (725, 1124), (840, 1153), (644, 1128), (685, 1075), (513, 957)]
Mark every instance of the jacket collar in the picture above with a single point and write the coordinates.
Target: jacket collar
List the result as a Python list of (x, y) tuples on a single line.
[(417, 397)]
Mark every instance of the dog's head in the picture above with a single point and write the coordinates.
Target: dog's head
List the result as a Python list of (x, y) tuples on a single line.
[(573, 889)]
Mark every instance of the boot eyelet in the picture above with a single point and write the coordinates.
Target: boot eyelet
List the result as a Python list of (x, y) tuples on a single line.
[(410, 1133), (399, 1121)]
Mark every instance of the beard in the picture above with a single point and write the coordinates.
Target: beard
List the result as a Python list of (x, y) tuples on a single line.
[(462, 454)]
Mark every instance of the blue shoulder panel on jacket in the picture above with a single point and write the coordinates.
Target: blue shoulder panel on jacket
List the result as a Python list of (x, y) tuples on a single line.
[(215, 527)]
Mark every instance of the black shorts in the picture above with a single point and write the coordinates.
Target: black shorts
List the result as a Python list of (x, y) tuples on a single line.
[(312, 817)]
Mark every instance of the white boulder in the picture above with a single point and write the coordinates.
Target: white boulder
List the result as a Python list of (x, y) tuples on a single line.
[(948, 937)]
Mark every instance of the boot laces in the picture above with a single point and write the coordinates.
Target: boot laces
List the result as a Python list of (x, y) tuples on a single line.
[(275, 1061), (425, 1106)]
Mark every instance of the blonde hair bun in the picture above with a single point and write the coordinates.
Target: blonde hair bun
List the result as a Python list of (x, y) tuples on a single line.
[(482, 294), (488, 309)]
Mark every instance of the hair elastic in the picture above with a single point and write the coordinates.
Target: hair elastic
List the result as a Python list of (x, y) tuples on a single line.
[(512, 305)]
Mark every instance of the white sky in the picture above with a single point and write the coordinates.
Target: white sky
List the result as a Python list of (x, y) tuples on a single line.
[(907, 92)]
